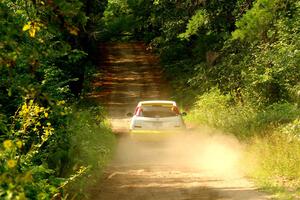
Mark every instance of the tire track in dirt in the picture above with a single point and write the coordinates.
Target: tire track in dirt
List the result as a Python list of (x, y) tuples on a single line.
[(160, 170)]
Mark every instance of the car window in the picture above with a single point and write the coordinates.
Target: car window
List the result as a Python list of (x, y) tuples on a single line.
[(158, 111)]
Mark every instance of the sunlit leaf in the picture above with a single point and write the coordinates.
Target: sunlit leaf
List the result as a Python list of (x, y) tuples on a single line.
[(32, 28), (32, 32), (27, 26)]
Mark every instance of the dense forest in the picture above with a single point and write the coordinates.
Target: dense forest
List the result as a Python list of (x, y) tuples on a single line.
[(235, 61)]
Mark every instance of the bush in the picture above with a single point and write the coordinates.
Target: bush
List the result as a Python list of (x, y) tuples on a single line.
[(221, 111), (23, 173), (43, 58), (275, 115), (46, 151)]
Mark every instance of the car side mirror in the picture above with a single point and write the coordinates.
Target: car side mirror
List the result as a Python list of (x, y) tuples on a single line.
[(129, 114), (183, 114)]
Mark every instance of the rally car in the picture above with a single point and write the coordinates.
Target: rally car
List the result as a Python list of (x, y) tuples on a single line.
[(156, 115)]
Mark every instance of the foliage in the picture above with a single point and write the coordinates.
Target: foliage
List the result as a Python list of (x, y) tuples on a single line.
[(45, 48), (256, 22), (199, 20), (22, 176), (219, 111), (36, 154), (118, 21), (246, 48)]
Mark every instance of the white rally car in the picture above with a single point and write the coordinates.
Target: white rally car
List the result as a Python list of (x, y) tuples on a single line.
[(156, 115)]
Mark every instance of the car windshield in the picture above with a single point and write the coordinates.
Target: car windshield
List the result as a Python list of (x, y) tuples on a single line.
[(158, 111)]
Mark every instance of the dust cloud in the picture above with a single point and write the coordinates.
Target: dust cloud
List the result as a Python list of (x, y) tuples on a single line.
[(204, 150)]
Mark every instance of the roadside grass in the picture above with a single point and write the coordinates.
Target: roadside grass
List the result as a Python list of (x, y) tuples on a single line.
[(271, 135), (273, 162), (92, 146), (92, 141)]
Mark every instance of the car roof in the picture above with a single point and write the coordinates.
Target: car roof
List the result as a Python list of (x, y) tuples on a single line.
[(157, 102)]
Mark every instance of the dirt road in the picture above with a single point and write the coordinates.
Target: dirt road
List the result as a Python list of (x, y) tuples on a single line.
[(199, 164)]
